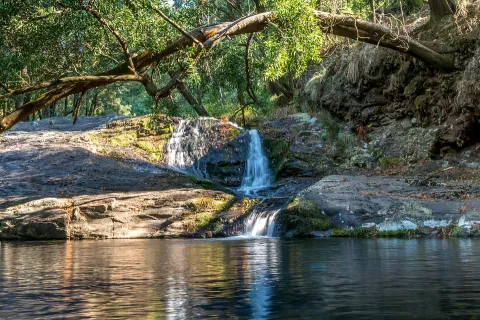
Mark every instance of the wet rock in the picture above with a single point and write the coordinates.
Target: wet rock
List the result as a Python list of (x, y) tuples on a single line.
[(389, 204), (456, 133)]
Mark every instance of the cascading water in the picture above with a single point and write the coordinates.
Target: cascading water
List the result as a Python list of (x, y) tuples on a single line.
[(189, 144), (186, 146), (257, 173), (257, 176), (261, 223)]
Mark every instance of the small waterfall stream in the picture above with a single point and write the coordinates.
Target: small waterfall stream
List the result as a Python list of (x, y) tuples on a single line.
[(257, 177), (257, 173), (261, 223), (188, 145)]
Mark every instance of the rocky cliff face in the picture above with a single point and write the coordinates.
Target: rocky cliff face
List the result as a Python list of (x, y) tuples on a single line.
[(385, 94)]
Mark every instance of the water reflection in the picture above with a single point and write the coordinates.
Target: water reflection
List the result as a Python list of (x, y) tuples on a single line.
[(244, 279)]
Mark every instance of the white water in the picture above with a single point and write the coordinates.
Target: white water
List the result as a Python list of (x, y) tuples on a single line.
[(257, 177), (261, 223), (186, 146), (257, 173)]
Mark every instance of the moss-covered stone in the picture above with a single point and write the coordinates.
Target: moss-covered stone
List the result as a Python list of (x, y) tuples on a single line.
[(138, 137), (205, 212), (304, 216), (362, 232), (410, 89), (420, 102), (276, 150), (123, 139)]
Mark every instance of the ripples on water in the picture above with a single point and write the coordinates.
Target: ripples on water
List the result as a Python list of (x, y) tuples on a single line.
[(241, 279)]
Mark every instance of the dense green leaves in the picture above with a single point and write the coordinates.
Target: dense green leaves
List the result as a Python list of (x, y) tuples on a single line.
[(294, 38), (43, 40)]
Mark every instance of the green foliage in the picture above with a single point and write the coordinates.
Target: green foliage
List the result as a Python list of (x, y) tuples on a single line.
[(42, 40), (294, 38)]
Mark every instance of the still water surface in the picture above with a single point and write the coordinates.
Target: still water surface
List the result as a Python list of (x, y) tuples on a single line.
[(240, 279)]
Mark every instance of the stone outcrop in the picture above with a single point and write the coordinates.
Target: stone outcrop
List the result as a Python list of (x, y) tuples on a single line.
[(391, 204), (84, 182)]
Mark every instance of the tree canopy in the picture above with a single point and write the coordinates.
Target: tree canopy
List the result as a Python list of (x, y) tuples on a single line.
[(213, 52)]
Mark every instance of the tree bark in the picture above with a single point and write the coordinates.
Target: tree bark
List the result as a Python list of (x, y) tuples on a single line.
[(199, 109)]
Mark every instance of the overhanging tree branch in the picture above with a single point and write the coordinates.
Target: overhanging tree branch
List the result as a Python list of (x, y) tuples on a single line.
[(210, 35), (176, 26)]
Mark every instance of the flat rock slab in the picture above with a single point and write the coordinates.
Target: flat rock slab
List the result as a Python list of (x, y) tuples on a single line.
[(54, 186), (390, 203)]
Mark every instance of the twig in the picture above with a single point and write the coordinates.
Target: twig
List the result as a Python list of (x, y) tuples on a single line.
[(118, 36), (176, 26), (250, 91)]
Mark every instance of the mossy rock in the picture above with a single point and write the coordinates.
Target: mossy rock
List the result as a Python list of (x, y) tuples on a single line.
[(410, 89), (277, 151), (138, 135), (362, 232), (304, 216), (123, 139), (205, 211), (420, 102)]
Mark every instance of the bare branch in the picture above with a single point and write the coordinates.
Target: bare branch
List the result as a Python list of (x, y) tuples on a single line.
[(250, 91), (123, 43), (69, 80), (176, 26)]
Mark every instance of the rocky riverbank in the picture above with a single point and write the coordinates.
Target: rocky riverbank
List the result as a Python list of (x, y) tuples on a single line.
[(108, 178)]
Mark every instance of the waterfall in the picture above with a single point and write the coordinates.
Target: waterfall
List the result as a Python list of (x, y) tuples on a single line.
[(261, 223), (257, 173), (186, 146)]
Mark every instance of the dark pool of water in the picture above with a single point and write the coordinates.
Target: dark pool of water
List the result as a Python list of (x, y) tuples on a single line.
[(241, 279)]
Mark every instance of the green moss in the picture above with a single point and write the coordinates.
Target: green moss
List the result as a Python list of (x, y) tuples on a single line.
[(205, 212), (204, 203), (304, 216), (410, 89), (420, 102), (208, 185), (386, 162), (123, 139), (154, 148), (277, 150), (361, 232)]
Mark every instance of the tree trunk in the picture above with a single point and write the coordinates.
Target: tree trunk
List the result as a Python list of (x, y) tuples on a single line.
[(65, 107), (26, 99), (440, 9), (199, 109), (94, 104), (52, 109)]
